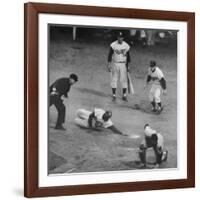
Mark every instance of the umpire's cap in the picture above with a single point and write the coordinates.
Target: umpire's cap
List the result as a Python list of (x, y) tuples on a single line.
[(74, 76), (152, 63)]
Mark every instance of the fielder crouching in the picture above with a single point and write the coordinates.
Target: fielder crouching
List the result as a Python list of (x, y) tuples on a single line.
[(152, 140), (97, 119)]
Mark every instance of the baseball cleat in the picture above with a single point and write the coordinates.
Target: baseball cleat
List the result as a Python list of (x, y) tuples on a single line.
[(156, 166), (113, 98), (153, 109), (159, 110), (142, 166), (164, 156), (124, 98), (60, 127)]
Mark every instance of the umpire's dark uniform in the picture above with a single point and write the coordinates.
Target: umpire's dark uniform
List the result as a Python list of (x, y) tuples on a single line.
[(59, 88)]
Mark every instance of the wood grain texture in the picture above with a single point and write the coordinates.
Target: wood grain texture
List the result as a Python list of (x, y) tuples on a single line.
[(31, 188)]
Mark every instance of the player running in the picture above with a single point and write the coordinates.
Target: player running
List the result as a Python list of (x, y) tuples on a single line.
[(99, 118), (118, 60), (158, 86), (152, 140)]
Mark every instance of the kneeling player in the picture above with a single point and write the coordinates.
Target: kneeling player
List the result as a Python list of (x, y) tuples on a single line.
[(152, 140), (99, 118)]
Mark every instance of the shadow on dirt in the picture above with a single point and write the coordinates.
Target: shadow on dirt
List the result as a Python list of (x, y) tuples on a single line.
[(55, 160), (92, 91), (137, 165)]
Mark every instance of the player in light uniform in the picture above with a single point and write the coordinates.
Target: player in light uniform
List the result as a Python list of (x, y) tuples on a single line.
[(118, 60), (99, 118), (152, 140), (158, 86)]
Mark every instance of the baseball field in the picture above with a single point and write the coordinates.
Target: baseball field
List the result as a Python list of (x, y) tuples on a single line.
[(81, 150)]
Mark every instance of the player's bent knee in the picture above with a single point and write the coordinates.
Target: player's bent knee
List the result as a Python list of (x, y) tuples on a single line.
[(142, 148)]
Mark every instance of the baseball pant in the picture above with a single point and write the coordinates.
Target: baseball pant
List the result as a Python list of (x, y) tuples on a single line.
[(82, 117), (58, 103), (158, 149), (155, 93), (118, 71)]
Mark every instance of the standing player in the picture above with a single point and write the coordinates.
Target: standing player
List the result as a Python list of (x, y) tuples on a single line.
[(58, 90), (99, 118), (152, 140), (118, 61), (158, 86)]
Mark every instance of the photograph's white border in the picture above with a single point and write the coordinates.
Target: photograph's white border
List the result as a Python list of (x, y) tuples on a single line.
[(112, 177)]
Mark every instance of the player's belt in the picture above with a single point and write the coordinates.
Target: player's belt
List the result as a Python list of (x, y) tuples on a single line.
[(121, 62)]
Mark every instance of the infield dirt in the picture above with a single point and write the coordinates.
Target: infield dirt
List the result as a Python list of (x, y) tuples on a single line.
[(81, 150)]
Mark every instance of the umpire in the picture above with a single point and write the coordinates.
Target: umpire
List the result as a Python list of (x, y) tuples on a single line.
[(58, 89)]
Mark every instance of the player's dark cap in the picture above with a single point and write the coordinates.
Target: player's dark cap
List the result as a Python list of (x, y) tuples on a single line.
[(120, 35), (152, 63), (74, 76)]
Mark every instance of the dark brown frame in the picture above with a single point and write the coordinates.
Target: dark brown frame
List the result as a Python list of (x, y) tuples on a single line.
[(31, 188)]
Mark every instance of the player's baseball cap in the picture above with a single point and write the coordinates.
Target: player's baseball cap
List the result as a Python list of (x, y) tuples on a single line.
[(107, 115), (152, 63), (74, 76), (120, 35)]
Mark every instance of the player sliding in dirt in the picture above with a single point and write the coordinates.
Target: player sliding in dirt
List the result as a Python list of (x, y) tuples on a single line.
[(97, 119), (152, 140)]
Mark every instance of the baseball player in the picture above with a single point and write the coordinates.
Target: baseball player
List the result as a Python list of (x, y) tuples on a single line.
[(152, 140), (59, 90), (96, 119), (158, 86), (118, 64)]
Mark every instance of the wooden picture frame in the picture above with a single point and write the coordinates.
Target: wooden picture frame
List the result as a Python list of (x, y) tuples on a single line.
[(31, 91)]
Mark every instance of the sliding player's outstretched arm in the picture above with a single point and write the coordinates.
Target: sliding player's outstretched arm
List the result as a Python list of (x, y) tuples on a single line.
[(116, 130)]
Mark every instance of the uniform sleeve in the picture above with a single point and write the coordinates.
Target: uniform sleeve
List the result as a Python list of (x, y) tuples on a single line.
[(54, 85), (161, 79), (128, 57), (148, 75), (163, 83), (90, 119), (110, 54), (127, 47), (160, 142), (149, 71), (160, 74), (108, 124), (148, 78)]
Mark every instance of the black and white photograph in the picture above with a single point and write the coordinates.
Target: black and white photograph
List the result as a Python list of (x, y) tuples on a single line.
[(112, 99)]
